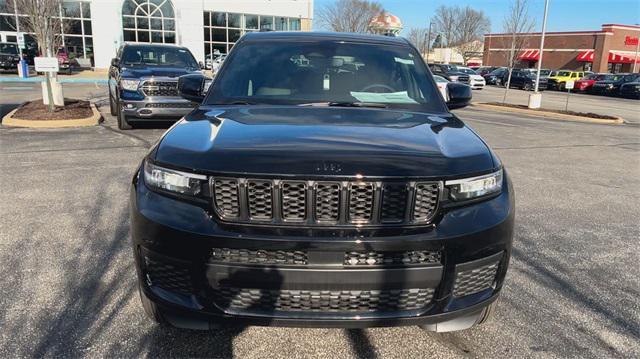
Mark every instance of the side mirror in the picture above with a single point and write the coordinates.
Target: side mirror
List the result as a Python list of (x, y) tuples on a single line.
[(115, 61), (193, 87), (459, 95), (201, 65)]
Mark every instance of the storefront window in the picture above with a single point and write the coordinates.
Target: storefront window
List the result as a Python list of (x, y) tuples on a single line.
[(223, 30), (148, 21), (294, 24)]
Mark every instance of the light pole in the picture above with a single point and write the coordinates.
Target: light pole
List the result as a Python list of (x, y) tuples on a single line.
[(428, 43), (635, 61), (535, 99)]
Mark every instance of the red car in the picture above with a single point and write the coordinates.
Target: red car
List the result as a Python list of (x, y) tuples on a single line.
[(585, 83)]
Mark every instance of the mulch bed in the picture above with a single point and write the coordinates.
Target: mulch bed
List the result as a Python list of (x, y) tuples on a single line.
[(37, 111), (573, 113)]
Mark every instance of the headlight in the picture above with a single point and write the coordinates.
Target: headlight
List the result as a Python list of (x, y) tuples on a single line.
[(470, 188), (609, 86), (173, 181), (131, 85)]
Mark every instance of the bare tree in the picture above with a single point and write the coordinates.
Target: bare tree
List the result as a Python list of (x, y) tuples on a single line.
[(418, 37), (43, 21), (348, 15), (470, 27), (445, 22), (518, 23)]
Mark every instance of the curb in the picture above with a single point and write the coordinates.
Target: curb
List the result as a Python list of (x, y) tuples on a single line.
[(551, 115), (81, 122)]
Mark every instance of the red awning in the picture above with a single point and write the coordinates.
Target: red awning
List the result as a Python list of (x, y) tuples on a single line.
[(586, 56), (617, 58), (529, 55)]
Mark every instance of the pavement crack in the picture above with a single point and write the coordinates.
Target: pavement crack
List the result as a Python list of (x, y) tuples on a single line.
[(566, 146), (146, 143), (73, 149)]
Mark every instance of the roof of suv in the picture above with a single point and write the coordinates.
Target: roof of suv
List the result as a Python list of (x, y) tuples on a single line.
[(332, 36)]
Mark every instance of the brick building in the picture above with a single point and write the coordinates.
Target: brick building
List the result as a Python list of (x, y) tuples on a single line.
[(612, 49)]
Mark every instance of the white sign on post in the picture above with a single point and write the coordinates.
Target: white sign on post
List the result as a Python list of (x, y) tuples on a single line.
[(569, 85), (21, 40), (46, 64)]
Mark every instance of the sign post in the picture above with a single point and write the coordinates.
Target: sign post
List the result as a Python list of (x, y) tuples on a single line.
[(569, 86)]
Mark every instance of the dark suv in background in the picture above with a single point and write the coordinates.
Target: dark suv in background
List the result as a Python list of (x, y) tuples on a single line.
[(322, 181), (9, 57), (524, 79), (143, 82), (449, 72)]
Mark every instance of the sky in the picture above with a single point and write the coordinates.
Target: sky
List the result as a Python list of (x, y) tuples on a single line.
[(563, 15)]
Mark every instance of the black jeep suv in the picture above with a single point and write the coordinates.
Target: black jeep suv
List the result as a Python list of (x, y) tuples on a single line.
[(143, 81), (322, 181), (9, 57)]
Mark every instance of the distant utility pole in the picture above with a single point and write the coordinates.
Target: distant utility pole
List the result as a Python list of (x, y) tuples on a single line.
[(429, 43), (535, 99), (635, 62)]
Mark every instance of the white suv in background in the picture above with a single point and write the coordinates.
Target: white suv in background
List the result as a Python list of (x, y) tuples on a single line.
[(475, 80)]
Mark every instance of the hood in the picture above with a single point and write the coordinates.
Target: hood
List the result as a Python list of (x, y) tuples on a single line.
[(139, 72), (322, 141)]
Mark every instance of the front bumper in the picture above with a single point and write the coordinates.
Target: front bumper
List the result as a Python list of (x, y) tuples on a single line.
[(309, 281), (154, 108), (9, 65)]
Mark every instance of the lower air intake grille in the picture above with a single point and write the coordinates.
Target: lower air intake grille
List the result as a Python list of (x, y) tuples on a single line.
[(174, 278), (262, 300), (475, 280), (248, 256), (353, 259)]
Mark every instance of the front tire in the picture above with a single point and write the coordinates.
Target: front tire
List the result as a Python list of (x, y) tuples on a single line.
[(526, 87), (123, 124), (561, 87), (113, 109)]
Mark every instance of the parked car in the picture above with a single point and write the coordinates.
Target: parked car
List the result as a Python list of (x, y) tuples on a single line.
[(143, 81), (495, 76), (475, 81), (442, 83), (65, 62), (9, 57), (449, 72), (339, 193), (525, 80), (611, 87), (483, 70), (559, 80), (585, 83), (630, 89)]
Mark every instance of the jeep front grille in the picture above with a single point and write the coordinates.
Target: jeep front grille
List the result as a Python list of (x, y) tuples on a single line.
[(317, 203), (160, 88)]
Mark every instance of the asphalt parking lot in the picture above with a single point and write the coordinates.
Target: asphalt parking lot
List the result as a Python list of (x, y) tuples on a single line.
[(68, 282)]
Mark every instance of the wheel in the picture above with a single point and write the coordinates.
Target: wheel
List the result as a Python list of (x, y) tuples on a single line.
[(123, 124), (112, 105), (151, 309), (526, 87), (561, 87)]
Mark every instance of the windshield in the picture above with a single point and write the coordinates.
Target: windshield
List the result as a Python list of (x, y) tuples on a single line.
[(440, 79), (545, 72), (9, 49), (319, 72), (158, 56), (563, 73)]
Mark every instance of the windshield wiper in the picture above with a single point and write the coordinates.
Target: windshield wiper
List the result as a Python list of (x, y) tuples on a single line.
[(345, 104)]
